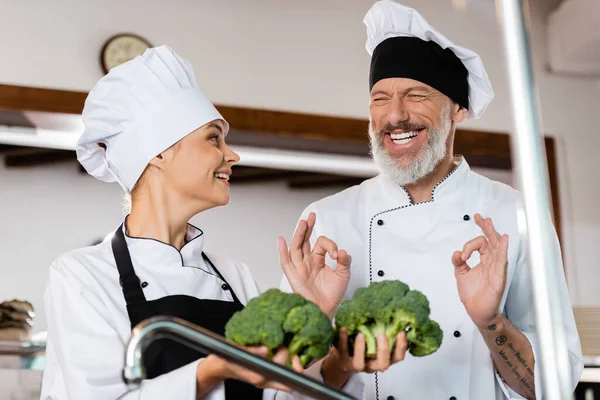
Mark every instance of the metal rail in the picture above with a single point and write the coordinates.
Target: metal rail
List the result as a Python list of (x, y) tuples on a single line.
[(205, 341), (532, 170)]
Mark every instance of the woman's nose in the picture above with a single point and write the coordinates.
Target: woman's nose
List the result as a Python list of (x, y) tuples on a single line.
[(231, 156)]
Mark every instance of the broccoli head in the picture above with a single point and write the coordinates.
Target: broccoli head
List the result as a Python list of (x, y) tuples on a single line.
[(425, 340), (386, 307), (245, 329), (312, 332), (277, 319)]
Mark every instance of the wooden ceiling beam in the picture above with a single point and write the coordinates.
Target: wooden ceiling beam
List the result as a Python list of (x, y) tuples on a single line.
[(30, 157), (278, 129), (24, 98), (481, 149)]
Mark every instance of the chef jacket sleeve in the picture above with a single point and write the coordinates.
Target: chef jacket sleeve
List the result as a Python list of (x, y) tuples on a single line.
[(519, 309), (89, 354)]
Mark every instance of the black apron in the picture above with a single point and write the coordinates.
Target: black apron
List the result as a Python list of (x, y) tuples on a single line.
[(164, 355)]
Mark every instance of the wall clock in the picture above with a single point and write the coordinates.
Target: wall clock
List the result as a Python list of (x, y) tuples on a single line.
[(122, 48)]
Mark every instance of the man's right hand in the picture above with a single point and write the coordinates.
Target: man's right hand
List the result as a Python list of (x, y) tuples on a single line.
[(213, 370), (339, 365), (305, 269)]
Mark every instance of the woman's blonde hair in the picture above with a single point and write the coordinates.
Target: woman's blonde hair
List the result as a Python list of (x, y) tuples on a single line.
[(126, 204), (127, 200)]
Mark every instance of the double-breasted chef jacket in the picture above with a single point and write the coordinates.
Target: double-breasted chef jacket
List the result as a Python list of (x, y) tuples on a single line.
[(390, 237)]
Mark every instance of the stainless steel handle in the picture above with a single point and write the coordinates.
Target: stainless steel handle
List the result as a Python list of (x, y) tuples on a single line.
[(531, 167), (206, 341)]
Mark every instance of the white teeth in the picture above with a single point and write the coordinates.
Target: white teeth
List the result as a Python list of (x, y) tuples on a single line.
[(222, 176), (402, 141), (403, 135)]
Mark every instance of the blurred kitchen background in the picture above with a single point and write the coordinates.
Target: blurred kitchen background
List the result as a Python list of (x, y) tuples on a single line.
[(292, 79)]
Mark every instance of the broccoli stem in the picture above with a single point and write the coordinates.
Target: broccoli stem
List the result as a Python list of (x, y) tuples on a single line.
[(370, 340), (305, 358), (393, 329), (378, 328), (391, 333), (295, 347)]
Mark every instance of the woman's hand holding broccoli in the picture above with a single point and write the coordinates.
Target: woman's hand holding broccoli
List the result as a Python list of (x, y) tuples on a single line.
[(213, 370)]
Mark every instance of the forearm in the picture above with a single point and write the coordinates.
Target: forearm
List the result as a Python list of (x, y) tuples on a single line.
[(208, 375), (512, 355)]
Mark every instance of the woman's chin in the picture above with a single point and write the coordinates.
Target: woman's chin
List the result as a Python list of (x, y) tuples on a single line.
[(223, 201), (206, 203)]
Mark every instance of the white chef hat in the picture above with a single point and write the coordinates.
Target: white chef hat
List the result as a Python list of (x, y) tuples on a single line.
[(402, 43), (138, 110)]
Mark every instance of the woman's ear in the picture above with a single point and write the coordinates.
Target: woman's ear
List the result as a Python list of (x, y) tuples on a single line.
[(158, 161), (165, 157)]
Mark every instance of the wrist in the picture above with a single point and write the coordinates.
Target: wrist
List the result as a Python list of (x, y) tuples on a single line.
[(493, 324), (210, 372), (332, 373)]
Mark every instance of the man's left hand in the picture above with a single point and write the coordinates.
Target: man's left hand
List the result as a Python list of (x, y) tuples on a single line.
[(480, 288)]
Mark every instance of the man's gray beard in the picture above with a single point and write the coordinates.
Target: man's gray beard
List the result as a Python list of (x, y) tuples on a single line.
[(432, 155)]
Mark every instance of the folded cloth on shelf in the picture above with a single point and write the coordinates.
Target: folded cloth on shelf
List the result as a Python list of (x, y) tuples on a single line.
[(18, 305), (11, 315), (14, 334), (16, 320)]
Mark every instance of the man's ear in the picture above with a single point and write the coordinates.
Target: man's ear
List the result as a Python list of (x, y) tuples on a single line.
[(459, 114)]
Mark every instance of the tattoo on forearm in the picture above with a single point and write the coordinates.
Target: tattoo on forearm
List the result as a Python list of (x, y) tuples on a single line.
[(523, 380), (521, 359), (492, 327)]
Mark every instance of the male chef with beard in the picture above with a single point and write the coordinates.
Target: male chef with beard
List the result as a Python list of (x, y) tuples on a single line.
[(427, 221)]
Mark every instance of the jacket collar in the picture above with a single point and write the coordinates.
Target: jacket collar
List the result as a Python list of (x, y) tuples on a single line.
[(446, 186), (454, 180), (151, 251)]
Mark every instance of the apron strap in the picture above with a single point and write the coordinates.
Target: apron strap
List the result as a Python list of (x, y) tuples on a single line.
[(207, 260), (132, 289)]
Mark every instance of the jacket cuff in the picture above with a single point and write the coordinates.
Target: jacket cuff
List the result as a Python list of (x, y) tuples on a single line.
[(178, 384)]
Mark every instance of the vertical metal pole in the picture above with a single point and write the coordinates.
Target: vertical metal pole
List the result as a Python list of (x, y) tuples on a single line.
[(531, 165)]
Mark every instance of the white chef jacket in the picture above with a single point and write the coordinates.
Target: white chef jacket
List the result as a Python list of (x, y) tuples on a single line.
[(390, 237), (88, 324)]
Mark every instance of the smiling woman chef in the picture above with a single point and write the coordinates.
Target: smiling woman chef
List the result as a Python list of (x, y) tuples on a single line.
[(149, 128)]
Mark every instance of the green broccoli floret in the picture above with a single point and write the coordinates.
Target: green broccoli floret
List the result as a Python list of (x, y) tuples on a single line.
[(277, 319), (367, 312), (403, 313), (386, 307), (247, 330), (312, 332), (425, 340)]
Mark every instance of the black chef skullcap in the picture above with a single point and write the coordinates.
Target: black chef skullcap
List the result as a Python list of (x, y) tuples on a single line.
[(423, 61)]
